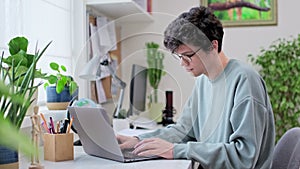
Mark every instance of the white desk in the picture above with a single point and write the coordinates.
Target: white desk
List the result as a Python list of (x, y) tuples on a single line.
[(84, 161)]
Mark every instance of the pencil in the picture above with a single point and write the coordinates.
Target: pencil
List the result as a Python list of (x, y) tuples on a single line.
[(45, 127), (57, 126), (69, 127), (45, 122)]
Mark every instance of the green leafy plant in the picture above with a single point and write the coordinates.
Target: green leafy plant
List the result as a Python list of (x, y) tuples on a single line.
[(155, 68), (18, 72), (60, 80), (280, 68), (13, 138), (19, 57)]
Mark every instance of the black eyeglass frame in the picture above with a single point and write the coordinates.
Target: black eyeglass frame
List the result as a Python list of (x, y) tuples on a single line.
[(187, 57)]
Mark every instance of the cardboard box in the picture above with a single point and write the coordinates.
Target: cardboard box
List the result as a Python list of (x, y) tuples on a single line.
[(58, 147)]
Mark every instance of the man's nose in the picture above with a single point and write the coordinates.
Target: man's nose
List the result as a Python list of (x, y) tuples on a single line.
[(184, 62)]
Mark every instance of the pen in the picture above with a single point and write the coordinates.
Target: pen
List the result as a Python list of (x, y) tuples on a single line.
[(50, 128), (52, 125), (66, 122), (45, 123), (69, 127)]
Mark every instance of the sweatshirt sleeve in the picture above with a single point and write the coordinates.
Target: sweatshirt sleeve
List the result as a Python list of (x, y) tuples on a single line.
[(248, 123)]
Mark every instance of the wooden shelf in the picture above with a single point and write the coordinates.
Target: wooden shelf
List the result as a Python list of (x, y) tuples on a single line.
[(120, 10)]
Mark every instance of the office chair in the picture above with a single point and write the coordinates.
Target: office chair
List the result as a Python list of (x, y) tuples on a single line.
[(287, 151)]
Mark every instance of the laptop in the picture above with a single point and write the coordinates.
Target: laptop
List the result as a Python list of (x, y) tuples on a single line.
[(98, 137)]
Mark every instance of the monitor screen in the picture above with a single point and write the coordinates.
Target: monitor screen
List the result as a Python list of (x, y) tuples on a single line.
[(138, 87)]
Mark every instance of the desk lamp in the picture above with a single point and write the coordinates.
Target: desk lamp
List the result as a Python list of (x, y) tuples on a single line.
[(92, 71)]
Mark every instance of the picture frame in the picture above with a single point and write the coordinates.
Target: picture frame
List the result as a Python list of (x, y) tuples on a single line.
[(233, 13)]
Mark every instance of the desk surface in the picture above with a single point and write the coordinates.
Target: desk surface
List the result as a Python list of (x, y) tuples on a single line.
[(83, 161)]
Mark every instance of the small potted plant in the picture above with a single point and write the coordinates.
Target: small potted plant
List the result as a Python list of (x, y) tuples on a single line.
[(18, 73), (60, 88), (155, 72)]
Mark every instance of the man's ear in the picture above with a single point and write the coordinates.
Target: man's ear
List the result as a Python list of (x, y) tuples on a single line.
[(215, 44)]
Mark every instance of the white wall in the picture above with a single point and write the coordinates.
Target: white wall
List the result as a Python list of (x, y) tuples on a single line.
[(238, 41), (134, 37), (39, 21)]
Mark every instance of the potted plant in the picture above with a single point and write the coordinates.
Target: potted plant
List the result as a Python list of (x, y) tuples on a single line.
[(155, 72), (18, 72), (14, 140), (18, 55), (60, 88), (280, 68)]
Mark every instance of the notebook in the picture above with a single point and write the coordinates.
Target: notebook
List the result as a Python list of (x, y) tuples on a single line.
[(98, 137)]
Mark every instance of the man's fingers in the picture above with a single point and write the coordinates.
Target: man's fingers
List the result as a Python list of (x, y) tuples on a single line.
[(124, 146), (143, 142), (154, 146), (120, 138), (144, 145), (148, 153), (126, 141)]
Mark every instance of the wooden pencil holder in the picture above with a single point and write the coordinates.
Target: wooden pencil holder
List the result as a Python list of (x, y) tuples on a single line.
[(58, 147)]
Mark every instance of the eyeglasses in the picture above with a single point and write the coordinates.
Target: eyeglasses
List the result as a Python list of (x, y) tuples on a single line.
[(186, 57)]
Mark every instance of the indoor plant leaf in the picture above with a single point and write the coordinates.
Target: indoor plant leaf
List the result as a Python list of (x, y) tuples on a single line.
[(52, 79), (73, 87), (19, 75), (17, 44), (63, 68), (54, 66), (155, 67), (60, 85), (15, 139)]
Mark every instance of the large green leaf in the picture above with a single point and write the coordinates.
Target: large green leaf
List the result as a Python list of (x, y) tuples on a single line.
[(16, 59), (17, 44), (30, 59)]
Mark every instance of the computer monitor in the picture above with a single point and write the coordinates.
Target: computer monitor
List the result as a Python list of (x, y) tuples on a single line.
[(138, 87)]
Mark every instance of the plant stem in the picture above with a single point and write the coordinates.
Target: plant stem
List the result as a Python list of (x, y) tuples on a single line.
[(155, 96)]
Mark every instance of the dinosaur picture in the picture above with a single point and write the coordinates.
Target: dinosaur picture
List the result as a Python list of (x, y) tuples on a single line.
[(244, 12)]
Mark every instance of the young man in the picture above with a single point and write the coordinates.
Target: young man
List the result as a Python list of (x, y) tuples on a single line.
[(227, 121)]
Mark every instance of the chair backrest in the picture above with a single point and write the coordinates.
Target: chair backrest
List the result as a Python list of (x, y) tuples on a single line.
[(287, 151)]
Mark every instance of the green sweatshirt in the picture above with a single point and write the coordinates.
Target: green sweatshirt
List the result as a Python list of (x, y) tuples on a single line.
[(226, 122)]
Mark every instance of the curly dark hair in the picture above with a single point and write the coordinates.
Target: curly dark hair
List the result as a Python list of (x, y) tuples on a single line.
[(198, 27)]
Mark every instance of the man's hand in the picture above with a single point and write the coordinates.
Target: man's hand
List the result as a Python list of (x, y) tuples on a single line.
[(127, 142), (154, 146)]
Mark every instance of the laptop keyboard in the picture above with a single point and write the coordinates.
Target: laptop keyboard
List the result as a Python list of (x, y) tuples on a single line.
[(130, 157), (127, 153)]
